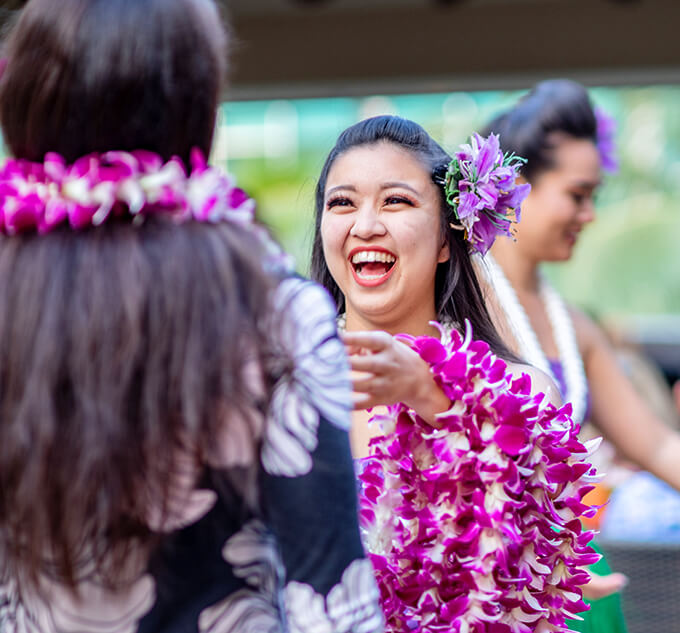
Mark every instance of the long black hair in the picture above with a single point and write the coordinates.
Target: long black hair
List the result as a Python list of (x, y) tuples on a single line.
[(120, 345), (531, 128), (458, 295)]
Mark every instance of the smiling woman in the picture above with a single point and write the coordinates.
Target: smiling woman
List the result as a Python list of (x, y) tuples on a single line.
[(382, 239), (454, 453), (376, 193)]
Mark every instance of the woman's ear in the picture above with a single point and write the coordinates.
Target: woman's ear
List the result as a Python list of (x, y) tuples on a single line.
[(444, 253)]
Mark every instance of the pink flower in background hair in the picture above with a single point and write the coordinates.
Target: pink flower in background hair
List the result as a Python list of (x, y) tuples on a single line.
[(474, 526), (606, 140)]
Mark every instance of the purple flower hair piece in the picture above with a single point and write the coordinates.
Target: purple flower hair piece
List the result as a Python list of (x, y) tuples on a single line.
[(474, 526), (39, 197), (606, 140), (481, 187)]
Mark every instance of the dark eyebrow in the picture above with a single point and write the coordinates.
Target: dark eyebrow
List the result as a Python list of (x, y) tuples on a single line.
[(385, 185), (399, 185), (341, 187), (586, 184)]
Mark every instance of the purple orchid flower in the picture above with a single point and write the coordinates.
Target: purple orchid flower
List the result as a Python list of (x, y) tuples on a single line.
[(474, 526), (481, 187), (606, 144)]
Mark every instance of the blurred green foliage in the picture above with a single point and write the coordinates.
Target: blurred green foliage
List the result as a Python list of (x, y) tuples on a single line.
[(627, 262)]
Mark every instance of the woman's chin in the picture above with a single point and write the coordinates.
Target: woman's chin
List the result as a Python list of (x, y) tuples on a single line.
[(560, 253), (373, 313)]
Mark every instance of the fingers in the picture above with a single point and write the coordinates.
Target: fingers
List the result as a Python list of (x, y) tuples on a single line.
[(373, 341), (374, 363), (363, 401), (603, 586), (367, 383), (369, 390)]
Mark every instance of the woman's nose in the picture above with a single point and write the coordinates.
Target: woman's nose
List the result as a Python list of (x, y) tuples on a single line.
[(367, 223), (587, 211)]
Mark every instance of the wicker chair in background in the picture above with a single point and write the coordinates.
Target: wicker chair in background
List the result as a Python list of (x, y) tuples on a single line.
[(651, 600)]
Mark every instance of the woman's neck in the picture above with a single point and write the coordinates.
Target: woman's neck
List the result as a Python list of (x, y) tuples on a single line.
[(416, 324), (521, 271)]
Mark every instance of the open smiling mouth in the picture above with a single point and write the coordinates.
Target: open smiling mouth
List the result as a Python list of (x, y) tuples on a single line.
[(372, 267)]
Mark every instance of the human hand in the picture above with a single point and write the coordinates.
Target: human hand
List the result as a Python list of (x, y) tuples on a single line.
[(389, 372), (603, 586)]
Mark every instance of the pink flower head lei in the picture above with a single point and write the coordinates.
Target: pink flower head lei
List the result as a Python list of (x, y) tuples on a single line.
[(606, 140), (481, 187), (474, 526), (39, 197)]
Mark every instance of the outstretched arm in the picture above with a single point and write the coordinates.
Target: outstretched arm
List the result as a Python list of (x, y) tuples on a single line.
[(620, 413)]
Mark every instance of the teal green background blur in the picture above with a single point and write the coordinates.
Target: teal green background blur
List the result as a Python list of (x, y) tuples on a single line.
[(627, 262)]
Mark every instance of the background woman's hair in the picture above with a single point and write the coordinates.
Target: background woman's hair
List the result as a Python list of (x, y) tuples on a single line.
[(121, 346), (532, 127), (457, 292), (97, 75)]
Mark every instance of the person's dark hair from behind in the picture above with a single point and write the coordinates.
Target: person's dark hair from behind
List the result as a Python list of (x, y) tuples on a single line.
[(457, 292), (120, 345), (533, 126), (94, 75)]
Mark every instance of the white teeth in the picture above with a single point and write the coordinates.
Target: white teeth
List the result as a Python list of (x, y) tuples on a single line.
[(372, 256)]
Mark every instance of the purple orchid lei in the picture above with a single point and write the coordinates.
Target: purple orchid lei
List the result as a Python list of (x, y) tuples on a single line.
[(474, 527), (606, 143), (39, 197), (481, 188)]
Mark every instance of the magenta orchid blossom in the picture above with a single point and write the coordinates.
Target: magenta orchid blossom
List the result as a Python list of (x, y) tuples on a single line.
[(482, 189), (474, 527)]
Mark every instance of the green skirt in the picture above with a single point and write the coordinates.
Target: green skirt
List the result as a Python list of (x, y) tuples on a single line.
[(605, 615)]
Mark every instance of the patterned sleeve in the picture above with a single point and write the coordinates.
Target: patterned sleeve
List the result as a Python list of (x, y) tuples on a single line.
[(309, 492)]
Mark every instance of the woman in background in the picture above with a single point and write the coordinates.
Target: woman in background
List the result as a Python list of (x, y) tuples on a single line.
[(555, 128)]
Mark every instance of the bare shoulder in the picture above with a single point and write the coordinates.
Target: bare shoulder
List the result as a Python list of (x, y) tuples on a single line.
[(588, 333), (540, 381)]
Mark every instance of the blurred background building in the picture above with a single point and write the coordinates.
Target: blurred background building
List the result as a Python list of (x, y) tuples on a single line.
[(303, 70)]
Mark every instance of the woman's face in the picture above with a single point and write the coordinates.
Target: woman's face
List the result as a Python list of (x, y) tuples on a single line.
[(561, 202), (381, 233)]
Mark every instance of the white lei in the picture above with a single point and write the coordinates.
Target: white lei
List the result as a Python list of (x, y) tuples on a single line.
[(530, 348), (447, 326)]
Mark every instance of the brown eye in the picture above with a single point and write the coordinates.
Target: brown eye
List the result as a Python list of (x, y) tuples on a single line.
[(340, 201), (392, 200)]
